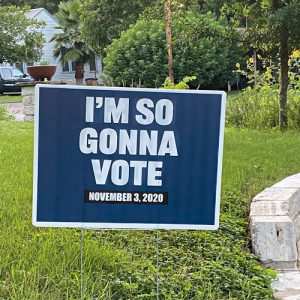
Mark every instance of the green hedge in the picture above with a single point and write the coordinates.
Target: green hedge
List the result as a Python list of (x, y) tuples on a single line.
[(139, 56)]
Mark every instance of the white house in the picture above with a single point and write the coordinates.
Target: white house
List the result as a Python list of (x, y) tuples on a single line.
[(66, 71)]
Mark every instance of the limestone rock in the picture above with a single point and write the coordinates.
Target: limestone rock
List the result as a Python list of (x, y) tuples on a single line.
[(273, 240)]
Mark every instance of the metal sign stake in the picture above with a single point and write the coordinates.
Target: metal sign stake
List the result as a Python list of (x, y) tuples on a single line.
[(81, 262), (157, 265)]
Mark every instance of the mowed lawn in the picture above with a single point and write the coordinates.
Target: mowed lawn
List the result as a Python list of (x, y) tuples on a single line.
[(10, 99), (44, 263)]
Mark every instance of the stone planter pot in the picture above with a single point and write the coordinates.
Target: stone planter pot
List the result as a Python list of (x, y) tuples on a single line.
[(39, 73), (91, 81)]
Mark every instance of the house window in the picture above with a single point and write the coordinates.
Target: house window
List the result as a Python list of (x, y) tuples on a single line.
[(92, 63), (65, 66), (68, 66)]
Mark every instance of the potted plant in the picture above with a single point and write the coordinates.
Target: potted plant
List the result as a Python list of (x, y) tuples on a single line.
[(41, 71)]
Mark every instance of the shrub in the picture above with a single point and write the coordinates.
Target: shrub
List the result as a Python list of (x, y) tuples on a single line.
[(181, 85), (259, 109), (139, 56), (4, 113)]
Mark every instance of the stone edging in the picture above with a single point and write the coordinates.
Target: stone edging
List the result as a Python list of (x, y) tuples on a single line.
[(275, 224), (28, 96)]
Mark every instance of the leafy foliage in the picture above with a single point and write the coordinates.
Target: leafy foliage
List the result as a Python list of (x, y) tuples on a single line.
[(258, 108), (181, 85), (269, 21), (254, 109), (139, 57), (51, 6), (70, 43), (272, 26), (4, 113), (104, 20), (20, 37)]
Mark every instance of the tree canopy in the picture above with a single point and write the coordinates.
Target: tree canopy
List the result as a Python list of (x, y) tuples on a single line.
[(104, 20), (70, 43), (21, 39), (273, 26), (51, 6), (200, 49), (267, 21)]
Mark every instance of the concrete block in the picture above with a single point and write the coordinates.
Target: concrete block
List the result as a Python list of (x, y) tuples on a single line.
[(275, 231), (28, 100), (28, 91), (29, 118), (296, 222), (295, 176), (287, 281), (298, 249), (273, 240), (269, 208), (292, 177), (287, 295), (295, 206), (288, 194), (276, 194), (28, 110), (289, 182)]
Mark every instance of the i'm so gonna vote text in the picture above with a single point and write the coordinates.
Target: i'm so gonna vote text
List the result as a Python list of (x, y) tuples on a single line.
[(133, 142)]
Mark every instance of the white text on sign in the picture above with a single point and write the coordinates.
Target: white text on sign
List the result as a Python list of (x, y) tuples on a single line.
[(110, 141)]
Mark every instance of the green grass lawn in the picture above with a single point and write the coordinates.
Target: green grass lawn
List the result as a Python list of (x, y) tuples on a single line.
[(10, 99), (44, 263)]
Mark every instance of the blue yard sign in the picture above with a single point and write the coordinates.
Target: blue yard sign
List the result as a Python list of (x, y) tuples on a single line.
[(127, 158)]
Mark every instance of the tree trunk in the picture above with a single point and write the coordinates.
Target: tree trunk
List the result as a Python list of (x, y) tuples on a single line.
[(79, 72), (169, 41), (284, 82)]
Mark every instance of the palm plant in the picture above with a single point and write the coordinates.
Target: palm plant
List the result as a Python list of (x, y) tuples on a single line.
[(69, 44)]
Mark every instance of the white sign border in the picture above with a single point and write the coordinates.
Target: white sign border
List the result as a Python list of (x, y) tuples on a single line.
[(141, 226)]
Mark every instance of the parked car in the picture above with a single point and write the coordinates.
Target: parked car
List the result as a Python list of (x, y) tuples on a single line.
[(9, 76)]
